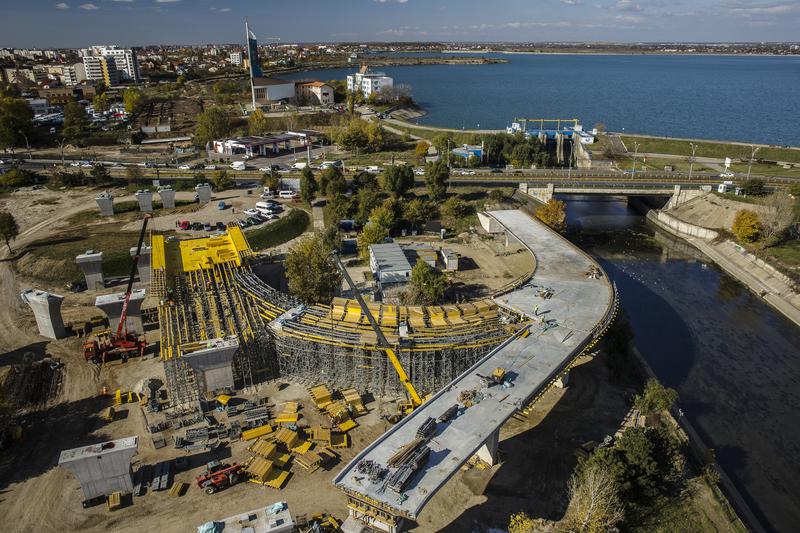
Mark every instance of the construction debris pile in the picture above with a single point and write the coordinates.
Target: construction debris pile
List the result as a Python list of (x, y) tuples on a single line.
[(32, 383)]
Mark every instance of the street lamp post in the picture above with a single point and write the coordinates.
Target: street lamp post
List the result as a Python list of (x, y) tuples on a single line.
[(691, 161), (753, 149), (27, 144), (635, 153), (61, 147)]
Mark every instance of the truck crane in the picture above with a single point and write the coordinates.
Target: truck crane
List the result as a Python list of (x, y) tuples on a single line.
[(218, 476), (414, 400), (121, 342)]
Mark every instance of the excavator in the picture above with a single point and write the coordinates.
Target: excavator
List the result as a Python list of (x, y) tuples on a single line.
[(121, 343), (414, 400)]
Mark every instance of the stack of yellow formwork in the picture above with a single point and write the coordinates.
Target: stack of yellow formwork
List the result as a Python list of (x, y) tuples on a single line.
[(321, 395), (269, 450), (265, 472), (353, 400), (254, 433), (312, 461), (289, 414), (340, 416), (327, 437), (290, 440)]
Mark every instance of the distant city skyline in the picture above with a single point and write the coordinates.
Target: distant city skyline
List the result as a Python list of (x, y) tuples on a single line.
[(75, 24)]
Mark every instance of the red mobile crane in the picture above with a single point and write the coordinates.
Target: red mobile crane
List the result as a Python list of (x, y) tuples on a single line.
[(121, 343)]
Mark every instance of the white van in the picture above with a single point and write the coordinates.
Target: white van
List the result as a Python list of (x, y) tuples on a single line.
[(300, 165), (238, 165), (285, 195), (373, 169), (264, 207)]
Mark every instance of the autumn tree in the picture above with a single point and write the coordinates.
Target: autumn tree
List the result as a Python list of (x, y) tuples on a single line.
[(421, 150), (16, 119), (746, 226), (367, 200), (554, 214), (426, 287), (132, 99), (100, 103), (272, 180), (311, 273), (595, 505), (75, 122), (9, 229), (398, 179), (436, 177), (376, 138), (221, 180), (257, 123), (371, 234), (777, 217), (655, 398), (418, 212), (308, 186), (453, 210), (213, 123)]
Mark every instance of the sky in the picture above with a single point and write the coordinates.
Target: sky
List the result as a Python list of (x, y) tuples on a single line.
[(79, 23)]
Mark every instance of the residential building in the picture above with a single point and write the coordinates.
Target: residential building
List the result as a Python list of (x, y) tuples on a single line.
[(102, 68), (236, 58), (74, 74), (369, 82), (314, 92), (62, 95), (117, 60), (39, 106)]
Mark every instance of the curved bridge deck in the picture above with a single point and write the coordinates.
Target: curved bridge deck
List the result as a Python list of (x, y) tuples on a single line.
[(582, 306)]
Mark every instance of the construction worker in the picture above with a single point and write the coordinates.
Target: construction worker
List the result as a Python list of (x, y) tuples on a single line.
[(536, 310)]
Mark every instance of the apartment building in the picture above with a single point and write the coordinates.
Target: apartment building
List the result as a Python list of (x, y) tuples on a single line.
[(110, 64), (369, 82)]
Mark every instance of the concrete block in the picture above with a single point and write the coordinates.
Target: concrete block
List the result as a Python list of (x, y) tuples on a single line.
[(102, 468), (145, 199), (47, 310), (111, 305), (144, 263), (563, 381), (203, 193), (167, 196), (212, 363), (105, 201), (488, 452), (91, 263)]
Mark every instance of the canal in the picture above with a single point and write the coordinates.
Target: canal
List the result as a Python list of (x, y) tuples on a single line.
[(734, 361)]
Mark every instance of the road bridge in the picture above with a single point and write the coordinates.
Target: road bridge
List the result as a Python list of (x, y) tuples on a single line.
[(570, 303), (678, 193)]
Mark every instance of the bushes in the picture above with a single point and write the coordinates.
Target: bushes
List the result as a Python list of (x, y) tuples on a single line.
[(16, 178), (746, 226), (282, 230), (554, 214)]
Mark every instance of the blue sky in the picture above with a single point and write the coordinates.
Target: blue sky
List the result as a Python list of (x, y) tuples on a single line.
[(75, 23)]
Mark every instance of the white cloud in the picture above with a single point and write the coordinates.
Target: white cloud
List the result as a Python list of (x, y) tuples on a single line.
[(62, 5), (627, 5), (88, 7), (124, 1), (166, 1), (390, 1)]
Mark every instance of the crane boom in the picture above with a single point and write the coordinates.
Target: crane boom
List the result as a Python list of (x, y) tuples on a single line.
[(382, 341), (123, 319)]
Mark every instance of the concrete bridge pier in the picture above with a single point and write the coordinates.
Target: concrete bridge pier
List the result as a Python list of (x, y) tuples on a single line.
[(212, 363), (102, 468), (488, 452), (105, 201), (47, 310), (542, 194), (145, 199), (91, 263), (167, 195), (563, 380), (144, 263), (111, 305), (203, 193)]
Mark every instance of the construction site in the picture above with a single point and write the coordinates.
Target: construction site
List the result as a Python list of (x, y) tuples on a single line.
[(204, 382)]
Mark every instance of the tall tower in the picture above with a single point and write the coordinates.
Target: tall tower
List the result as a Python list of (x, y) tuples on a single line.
[(252, 57)]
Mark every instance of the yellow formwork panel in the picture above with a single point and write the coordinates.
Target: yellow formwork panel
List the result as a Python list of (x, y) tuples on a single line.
[(158, 260), (238, 239), (205, 252)]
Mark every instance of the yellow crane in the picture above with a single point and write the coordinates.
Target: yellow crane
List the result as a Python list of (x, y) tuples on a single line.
[(414, 399)]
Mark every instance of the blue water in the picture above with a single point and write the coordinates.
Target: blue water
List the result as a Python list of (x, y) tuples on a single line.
[(741, 98)]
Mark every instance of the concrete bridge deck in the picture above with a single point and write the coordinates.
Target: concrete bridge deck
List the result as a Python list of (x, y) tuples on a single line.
[(581, 306)]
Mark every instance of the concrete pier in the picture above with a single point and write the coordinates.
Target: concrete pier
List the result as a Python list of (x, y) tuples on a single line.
[(111, 305), (105, 201), (145, 199), (167, 196), (91, 263), (102, 468), (47, 310), (144, 263), (203, 193), (212, 363), (488, 452)]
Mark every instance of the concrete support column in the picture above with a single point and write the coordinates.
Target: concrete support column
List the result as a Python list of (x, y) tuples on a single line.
[(144, 263), (145, 199), (105, 201), (47, 310), (111, 305), (523, 188), (91, 263), (563, 381), (212, 364), (167, 196), (102, 468), (203, 193), (488, 452)]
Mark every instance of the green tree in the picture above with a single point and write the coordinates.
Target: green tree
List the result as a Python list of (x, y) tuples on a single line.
[(16, 119), (312, 275), (398, 179), (418, 212), (497, 196), (753, 187), (75, 122), (16, 177), (443, 142), (257, 123), (308, 186), (9, 229), (554, 214), (100, 103), (213, 123), (339, 207), (221, 180), (746, 226), (453, 210), (384, 215), (99, 174), (272, 180), (376, 139), (371, 234), (436, 176), (367, 200), (363, 180), (354, 136), (332, 182), (521, 523), (133, 100), (656, 398), (133, 173), (427, 285)]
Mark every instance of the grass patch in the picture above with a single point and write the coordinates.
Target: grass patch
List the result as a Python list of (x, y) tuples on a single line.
[(282, 230), (787, 253), (129, 210), (764, 169), (669, 513), (742, 199), (718, 150)]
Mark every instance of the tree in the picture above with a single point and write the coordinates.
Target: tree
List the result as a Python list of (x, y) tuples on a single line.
[(308, 186), (421, 150), (521, 523), (453, 210), (133, 173), (497, 196), (427, 285), (257, 123), (418, 212), (363, 180), (384, 216), (272, 180), (16, 177), (367, 200), (354, 137), (213, 123), (656, 398), (376, 139), (332, 182), (746, 226), (16, 119), (652, 461), (398, 179), (100, 174), (312, 275), (753, 187), (339, 208), (595, 505), (132, 99), (554, 214), (778, 216), (436, 176), (220, 180), (8, 228), (75, 121), (371, 234), (443, 143), (100, 103)]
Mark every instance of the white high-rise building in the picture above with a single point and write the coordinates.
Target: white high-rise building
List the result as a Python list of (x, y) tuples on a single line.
[(74, 74), (369, 82), (123, 59), (236, 58)]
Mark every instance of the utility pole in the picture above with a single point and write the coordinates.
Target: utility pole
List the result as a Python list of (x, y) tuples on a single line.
[(448, 153), (635, 153), (27, 145), (61, 147), (691, 161), (753, 149)]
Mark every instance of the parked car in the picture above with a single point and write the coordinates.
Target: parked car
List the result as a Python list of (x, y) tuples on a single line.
[(197, 226), (288, 195), (419, 171), (75, 164), (243, 224), (221, 226), (208, 227), (184, 167), (300, 165), (249, 212), (87, 165), (184, 224), (254, 221), (373, 169), (210, 167), (238, 165)]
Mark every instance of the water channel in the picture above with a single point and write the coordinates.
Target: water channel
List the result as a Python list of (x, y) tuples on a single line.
[(733, 359)]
